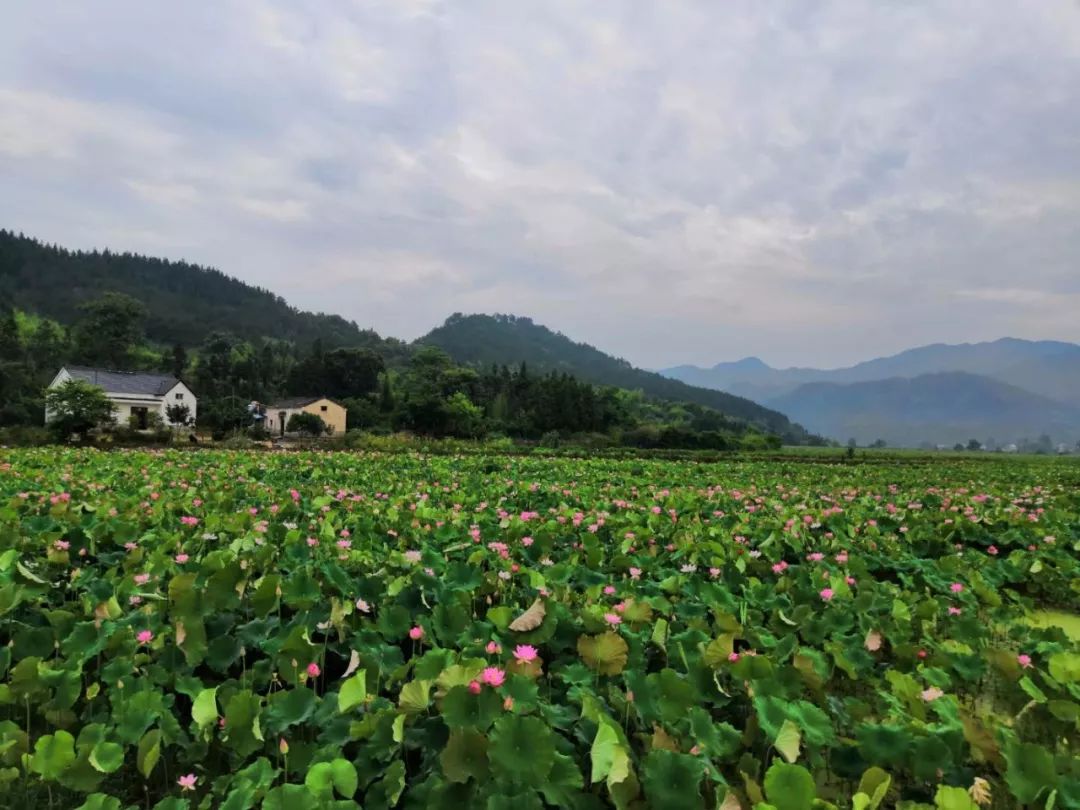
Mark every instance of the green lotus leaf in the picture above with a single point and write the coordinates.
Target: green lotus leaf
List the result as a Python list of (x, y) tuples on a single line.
[(149, 752), (789, 787), (289, 708), (242, 728), (521, 749), (107, 757), (788, 740), (53, 753), (465, 756), (673, 780), (353, 691), (462, 709), (1030, 770), (100, 801), (204, 708)]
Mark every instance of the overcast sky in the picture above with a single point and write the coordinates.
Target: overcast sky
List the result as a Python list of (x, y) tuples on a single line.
[(811, 182)]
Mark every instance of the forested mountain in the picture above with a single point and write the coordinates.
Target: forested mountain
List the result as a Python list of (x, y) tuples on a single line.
[(1046, 367), (482, 340), (940, 408), (184, 302), (236, 344)]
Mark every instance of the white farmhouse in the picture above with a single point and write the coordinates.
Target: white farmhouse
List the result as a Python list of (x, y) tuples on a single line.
[(134, 393)]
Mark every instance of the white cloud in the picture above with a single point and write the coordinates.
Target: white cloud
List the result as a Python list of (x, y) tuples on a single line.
[(812, 183)]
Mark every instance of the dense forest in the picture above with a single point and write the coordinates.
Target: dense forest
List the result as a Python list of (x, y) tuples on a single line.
[(486, 339), (235, 344)]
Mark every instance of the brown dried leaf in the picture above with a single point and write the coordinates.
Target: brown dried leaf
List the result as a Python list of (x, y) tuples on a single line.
[(662, 740), (731, 802), (530, 619), (873, 641), (181, 633), (980, 791)]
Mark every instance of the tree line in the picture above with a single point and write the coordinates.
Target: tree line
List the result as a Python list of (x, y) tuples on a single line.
[(419, 389)]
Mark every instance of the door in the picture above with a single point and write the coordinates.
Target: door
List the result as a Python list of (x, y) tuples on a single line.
[(281, 419), (139, 416)]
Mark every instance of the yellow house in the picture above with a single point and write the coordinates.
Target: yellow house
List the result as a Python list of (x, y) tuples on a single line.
[(278, 414)]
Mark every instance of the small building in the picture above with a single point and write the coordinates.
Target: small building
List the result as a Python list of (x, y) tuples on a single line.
[(136, 394), (278, 414)]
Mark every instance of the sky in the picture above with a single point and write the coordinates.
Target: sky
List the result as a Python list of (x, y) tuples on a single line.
[(813, 183)]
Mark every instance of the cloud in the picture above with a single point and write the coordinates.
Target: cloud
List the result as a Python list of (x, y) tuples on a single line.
[(682, 182)]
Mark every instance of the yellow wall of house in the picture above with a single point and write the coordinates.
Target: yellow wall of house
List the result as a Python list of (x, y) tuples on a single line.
[(330, 412)]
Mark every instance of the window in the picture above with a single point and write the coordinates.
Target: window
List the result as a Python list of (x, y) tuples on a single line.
[(322, 408), (180, 395)]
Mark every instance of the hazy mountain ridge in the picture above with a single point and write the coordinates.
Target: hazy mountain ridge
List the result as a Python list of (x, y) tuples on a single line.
[(1034, 385), (939, 408)]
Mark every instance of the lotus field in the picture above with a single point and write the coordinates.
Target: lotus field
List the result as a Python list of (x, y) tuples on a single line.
[(212, 629)]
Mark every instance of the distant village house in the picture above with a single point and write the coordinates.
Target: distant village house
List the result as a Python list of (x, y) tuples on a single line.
[(279, 413), (135, 394)]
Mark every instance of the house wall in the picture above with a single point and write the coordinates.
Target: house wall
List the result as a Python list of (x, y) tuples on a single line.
[(331, 413), (333, 416), (180, 394)]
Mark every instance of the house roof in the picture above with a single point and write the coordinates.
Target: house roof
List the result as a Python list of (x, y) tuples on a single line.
[(298, 402), (125, 382)]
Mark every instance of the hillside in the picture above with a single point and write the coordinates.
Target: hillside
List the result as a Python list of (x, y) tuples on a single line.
[(941, 408), (483, 340), (1044, 367), (185, 301)]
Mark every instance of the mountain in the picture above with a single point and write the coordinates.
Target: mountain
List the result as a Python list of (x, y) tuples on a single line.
[(1044, 367), (940, 408), (483, 340), (186, 302)]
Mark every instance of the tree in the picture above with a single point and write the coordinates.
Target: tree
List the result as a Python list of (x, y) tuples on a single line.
[(308, 424), (463, 418), (179, 361), (178, 415), (108, 329), (879, 444), (958, 446), (77, 406), (974, 444)]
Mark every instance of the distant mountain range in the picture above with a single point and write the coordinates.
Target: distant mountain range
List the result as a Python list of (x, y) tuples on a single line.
[(483, 340), (1007, 389)]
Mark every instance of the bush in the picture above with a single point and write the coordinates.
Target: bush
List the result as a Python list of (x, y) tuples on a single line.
[(26, 436), (306, 424)]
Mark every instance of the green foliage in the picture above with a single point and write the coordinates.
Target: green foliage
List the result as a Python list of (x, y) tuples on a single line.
[(76, 406), (308, 424), (318, 637)]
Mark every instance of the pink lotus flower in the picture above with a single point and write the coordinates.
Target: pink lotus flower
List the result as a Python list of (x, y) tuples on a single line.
[(313, 670), (992, 551), (526, 541), (63, 545), (827, 594), (144, 637), (733, 657), (956, 587), (493, 676), (181, 558), (508, 703), (312, 542), (142, 579), (187, 782), (1024, 660), (609, 589), (363, 606), (933, 693), (954, 610), (780, 567), (525, 653), (475, 687), (416, 633), (188, 520), (612, 618), (635, 573), (493, 648)]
